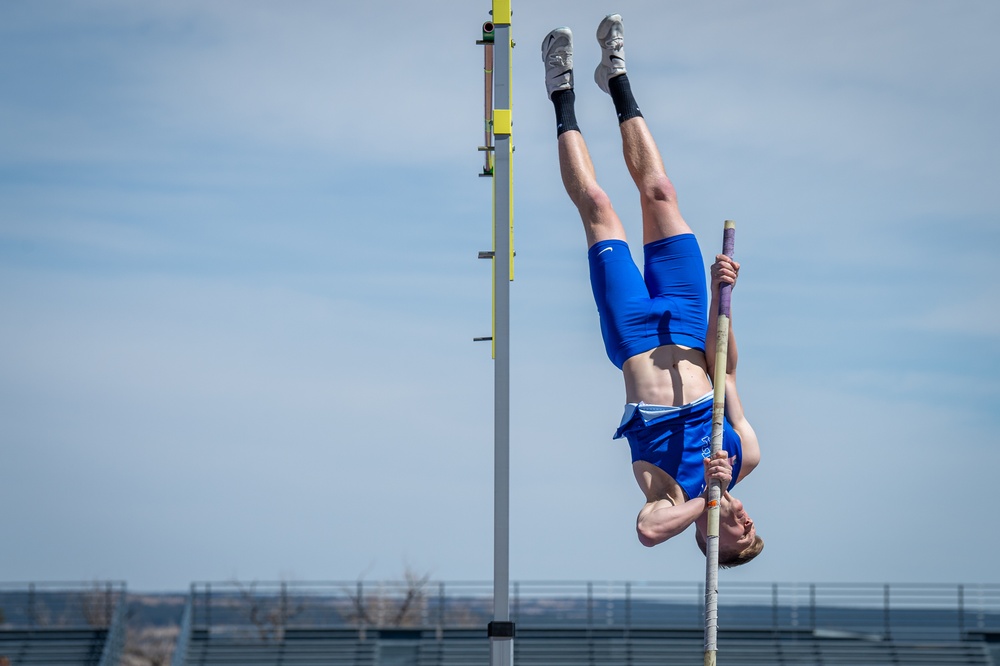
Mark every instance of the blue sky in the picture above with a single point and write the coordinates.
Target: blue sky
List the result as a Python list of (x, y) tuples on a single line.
[(239, 286)]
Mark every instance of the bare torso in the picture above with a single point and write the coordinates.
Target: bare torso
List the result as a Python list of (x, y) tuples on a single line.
[(670, 375)]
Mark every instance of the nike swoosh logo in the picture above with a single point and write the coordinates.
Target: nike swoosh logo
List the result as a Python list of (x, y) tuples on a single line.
[(607, 249)]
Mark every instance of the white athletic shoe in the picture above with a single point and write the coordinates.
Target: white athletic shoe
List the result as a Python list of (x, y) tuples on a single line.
[(557, 54), (611, 37)]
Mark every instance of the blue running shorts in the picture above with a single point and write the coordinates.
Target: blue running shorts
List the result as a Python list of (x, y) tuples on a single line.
[(666, 305)]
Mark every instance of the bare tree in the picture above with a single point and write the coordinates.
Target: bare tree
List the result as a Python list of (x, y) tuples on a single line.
[(151, 646), (97, 605), (382, 609), (270, 616)]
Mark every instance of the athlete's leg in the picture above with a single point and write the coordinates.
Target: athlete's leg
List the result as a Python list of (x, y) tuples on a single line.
[(661, 218), (600, 222)]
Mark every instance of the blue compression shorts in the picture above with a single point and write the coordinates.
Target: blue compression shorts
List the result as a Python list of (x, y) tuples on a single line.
[(667, 305)]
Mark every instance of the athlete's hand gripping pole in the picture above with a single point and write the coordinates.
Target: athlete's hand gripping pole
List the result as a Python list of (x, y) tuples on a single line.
[(715, 487)]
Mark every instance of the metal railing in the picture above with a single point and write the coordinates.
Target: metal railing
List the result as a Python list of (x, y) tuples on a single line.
[(114, 641), (179, 657), (60, 605), (52, 611), (910, 611)]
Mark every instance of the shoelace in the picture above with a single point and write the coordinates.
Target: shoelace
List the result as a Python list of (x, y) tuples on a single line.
[(559, 59)]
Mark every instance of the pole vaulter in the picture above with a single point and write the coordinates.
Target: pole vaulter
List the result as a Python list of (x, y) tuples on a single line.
[(689, 438)]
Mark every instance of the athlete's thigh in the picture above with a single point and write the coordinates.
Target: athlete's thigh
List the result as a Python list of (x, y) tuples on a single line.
[(661, 218)]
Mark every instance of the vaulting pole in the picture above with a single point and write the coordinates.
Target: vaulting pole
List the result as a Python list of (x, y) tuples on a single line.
[(715, 488)]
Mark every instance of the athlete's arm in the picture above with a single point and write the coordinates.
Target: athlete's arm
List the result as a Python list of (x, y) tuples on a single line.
[(661, 519), (737, 419), (725, 270)]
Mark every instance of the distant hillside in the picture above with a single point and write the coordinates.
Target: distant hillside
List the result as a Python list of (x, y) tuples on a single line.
[(155, 609)]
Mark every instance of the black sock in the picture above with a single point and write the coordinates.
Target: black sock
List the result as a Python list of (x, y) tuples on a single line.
[(565, 103), (621, 95)]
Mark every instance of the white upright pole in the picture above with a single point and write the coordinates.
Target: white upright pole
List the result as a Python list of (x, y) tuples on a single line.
[(501, 629), (715, 488)]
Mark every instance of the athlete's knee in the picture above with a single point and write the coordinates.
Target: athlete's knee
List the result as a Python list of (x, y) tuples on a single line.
[(659, 189), (592, 202)]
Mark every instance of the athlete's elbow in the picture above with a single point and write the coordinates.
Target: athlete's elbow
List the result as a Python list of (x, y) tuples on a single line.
[(645, 539), (650, 536), (751, 458)]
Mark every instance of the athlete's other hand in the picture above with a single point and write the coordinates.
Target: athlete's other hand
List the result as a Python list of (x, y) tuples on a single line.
[(724, 271)]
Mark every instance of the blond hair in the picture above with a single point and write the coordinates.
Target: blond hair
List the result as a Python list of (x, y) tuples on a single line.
[(742, 557)]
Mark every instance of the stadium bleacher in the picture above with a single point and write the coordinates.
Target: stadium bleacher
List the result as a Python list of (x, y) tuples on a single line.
[(386, 624), (566, 647), (558, 624), (55, 647), (62, 624)]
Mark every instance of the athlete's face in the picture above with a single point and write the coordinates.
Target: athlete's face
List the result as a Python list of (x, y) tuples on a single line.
[(736, 528)]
